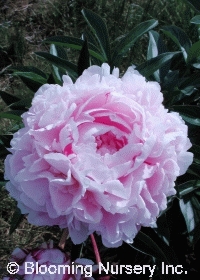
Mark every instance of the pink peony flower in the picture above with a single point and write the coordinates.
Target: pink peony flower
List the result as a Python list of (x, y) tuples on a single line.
[(101, 155), (49, 263)]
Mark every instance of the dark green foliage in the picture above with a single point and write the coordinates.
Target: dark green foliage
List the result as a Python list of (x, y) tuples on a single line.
[(16, 220), (195, 4), (84, 58)]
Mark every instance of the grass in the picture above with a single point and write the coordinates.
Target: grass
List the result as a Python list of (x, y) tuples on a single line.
[(22, 30)]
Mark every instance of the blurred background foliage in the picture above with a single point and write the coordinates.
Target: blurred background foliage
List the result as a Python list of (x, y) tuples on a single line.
[(171, 52)]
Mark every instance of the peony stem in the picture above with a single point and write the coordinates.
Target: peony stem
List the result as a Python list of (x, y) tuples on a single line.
[(63, 239), (96, 251)]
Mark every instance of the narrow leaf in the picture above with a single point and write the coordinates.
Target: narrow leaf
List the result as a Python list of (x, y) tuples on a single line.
[(152, 47), (170, 81), (30, 69), (195, 4), (188, 187), (146, 245), (31, 76), (189, 113), (53, 79), (188, 214), (195, 20), (84, 58), (99, 28), (179, 37), (153, 50), (194, 53), (195, 149), (191, 80), (58, 51), (3, 151), (8, 98), (128, 40), (91, 39), (59, 62), (155, 247), (150, 66), (5, 139), (31, 84), (194, 169), (56, 77), (12, 115), (163, 228), (22, 104), (74, 43)]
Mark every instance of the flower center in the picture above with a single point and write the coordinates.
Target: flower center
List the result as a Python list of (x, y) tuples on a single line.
[(109, 143)]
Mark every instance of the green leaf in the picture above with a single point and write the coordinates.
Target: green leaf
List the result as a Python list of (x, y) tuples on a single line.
[(194, 169), (190, 208), (194, 53), (84, 58), (31, 76), (65, 41), (157, 47), (150, 66), (157, 248), (188, 187), (58, 51), (195, 20), (197, 64), (12, 115), (191, 80), (188, 90), (128, 40), (153, 50), (163, 228), (189, 113), (146, 245), (179, 37), (32, 85), (195, 4), (99, 28), (16, 220), (196, 233), (91, 39), (195, 149), (59, 62), (30, 69), (3, 151), (54, 80), (152, 47), (8, 98), (22, 104), (74, 43), (170, 81), (180, 96), (58, 72), (188, 214), (5, 139)]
